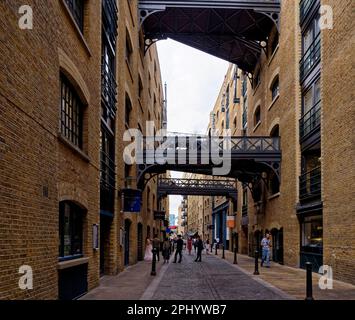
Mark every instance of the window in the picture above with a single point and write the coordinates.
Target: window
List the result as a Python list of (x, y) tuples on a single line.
[(70, 231), (140, 88), (257, 116), (312, 234), (311, 48), (257, 79), (129, 50), (235, 123), (71, 113), (275, 89), (76, 8), (128, 110)]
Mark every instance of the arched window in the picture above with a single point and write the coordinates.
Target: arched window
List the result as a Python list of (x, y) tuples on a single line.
[(71, 218), (275, 132)]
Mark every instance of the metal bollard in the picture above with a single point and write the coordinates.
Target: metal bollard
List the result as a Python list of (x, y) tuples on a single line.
[(223, 255), (309, 285), (235, 256), (154, 262), (216, 249), (256, 271)]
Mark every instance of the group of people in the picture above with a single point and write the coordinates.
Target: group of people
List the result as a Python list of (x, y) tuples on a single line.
[(154, 247), (198, 245)]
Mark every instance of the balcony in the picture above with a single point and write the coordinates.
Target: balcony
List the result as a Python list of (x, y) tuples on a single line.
[(109, 88), (305, 8), (109, 18), (107, 184), (311, 58), (311, 185), (310, 122)]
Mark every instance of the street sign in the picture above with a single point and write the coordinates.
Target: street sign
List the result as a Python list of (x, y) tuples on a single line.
[(159, 215)]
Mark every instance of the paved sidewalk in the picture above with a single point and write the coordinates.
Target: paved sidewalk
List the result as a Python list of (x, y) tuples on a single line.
[(127, 285), (292, 280)]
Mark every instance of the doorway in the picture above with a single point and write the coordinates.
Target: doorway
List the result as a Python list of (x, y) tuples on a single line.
[(127, 230), (140, 242), (277, 246), (105, 226)]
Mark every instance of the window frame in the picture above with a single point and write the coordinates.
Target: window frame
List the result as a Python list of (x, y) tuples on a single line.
[(76, 8), (74, 211), (72, 131)]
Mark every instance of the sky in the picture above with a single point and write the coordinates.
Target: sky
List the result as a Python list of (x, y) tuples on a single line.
[(194, 79)]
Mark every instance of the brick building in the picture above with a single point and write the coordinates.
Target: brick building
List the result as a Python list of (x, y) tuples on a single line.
[(302, 72), (69, 88)]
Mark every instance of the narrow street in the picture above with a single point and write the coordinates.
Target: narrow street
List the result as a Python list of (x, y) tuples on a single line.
[(213, 279)]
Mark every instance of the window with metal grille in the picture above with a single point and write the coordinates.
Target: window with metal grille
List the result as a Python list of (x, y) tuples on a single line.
[(76, 7), (71, 113)]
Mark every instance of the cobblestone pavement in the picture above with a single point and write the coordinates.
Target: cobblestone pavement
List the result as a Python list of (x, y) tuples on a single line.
[(213, 279)]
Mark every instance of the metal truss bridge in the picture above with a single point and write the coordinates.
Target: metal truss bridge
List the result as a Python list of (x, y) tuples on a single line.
[(248, 157), (196, 187), (236, 31)]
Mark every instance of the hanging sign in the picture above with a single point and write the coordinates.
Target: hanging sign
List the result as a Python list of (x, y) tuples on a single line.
[(132, 200)]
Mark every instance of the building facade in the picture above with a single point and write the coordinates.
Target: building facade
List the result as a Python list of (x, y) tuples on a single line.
[(301, 73), (70, 87)]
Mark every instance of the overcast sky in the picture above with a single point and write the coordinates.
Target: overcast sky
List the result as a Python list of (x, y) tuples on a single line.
[(194, 79)]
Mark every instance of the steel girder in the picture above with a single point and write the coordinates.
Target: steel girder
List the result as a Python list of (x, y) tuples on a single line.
[(250, 157), (197, 187), (231, 30)]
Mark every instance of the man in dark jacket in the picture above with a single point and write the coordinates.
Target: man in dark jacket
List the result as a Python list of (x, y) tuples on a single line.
[(179, 247), (156, 246), (199, 245)]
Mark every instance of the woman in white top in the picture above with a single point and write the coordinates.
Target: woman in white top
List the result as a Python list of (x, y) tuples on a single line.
[(148, 256)]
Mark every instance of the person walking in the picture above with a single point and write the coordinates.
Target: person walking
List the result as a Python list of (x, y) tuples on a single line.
[(266, 246), (166, 250), (208, 246), (195, 244), (179, 247), (156, 246), (199, 247), (148, 256), (189, 245)]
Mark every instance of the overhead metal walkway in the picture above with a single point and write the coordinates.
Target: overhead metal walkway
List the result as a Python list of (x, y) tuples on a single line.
[(235, 31)]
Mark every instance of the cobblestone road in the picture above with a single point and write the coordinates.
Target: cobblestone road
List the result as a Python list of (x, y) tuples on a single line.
[(213, 279)]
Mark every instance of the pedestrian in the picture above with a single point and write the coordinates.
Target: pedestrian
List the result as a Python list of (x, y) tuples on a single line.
[(195, 244), (266, 245), (148, 256), (166, 250), (156, 246), (179, 246), (199, 246), (189, 245), (208, 246)]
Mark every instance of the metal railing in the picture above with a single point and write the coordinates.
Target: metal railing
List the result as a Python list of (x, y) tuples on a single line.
[(311, 121), (311, 184), (311, 57), (305, 8), (207, 144), (110, 19), (108, 87)]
